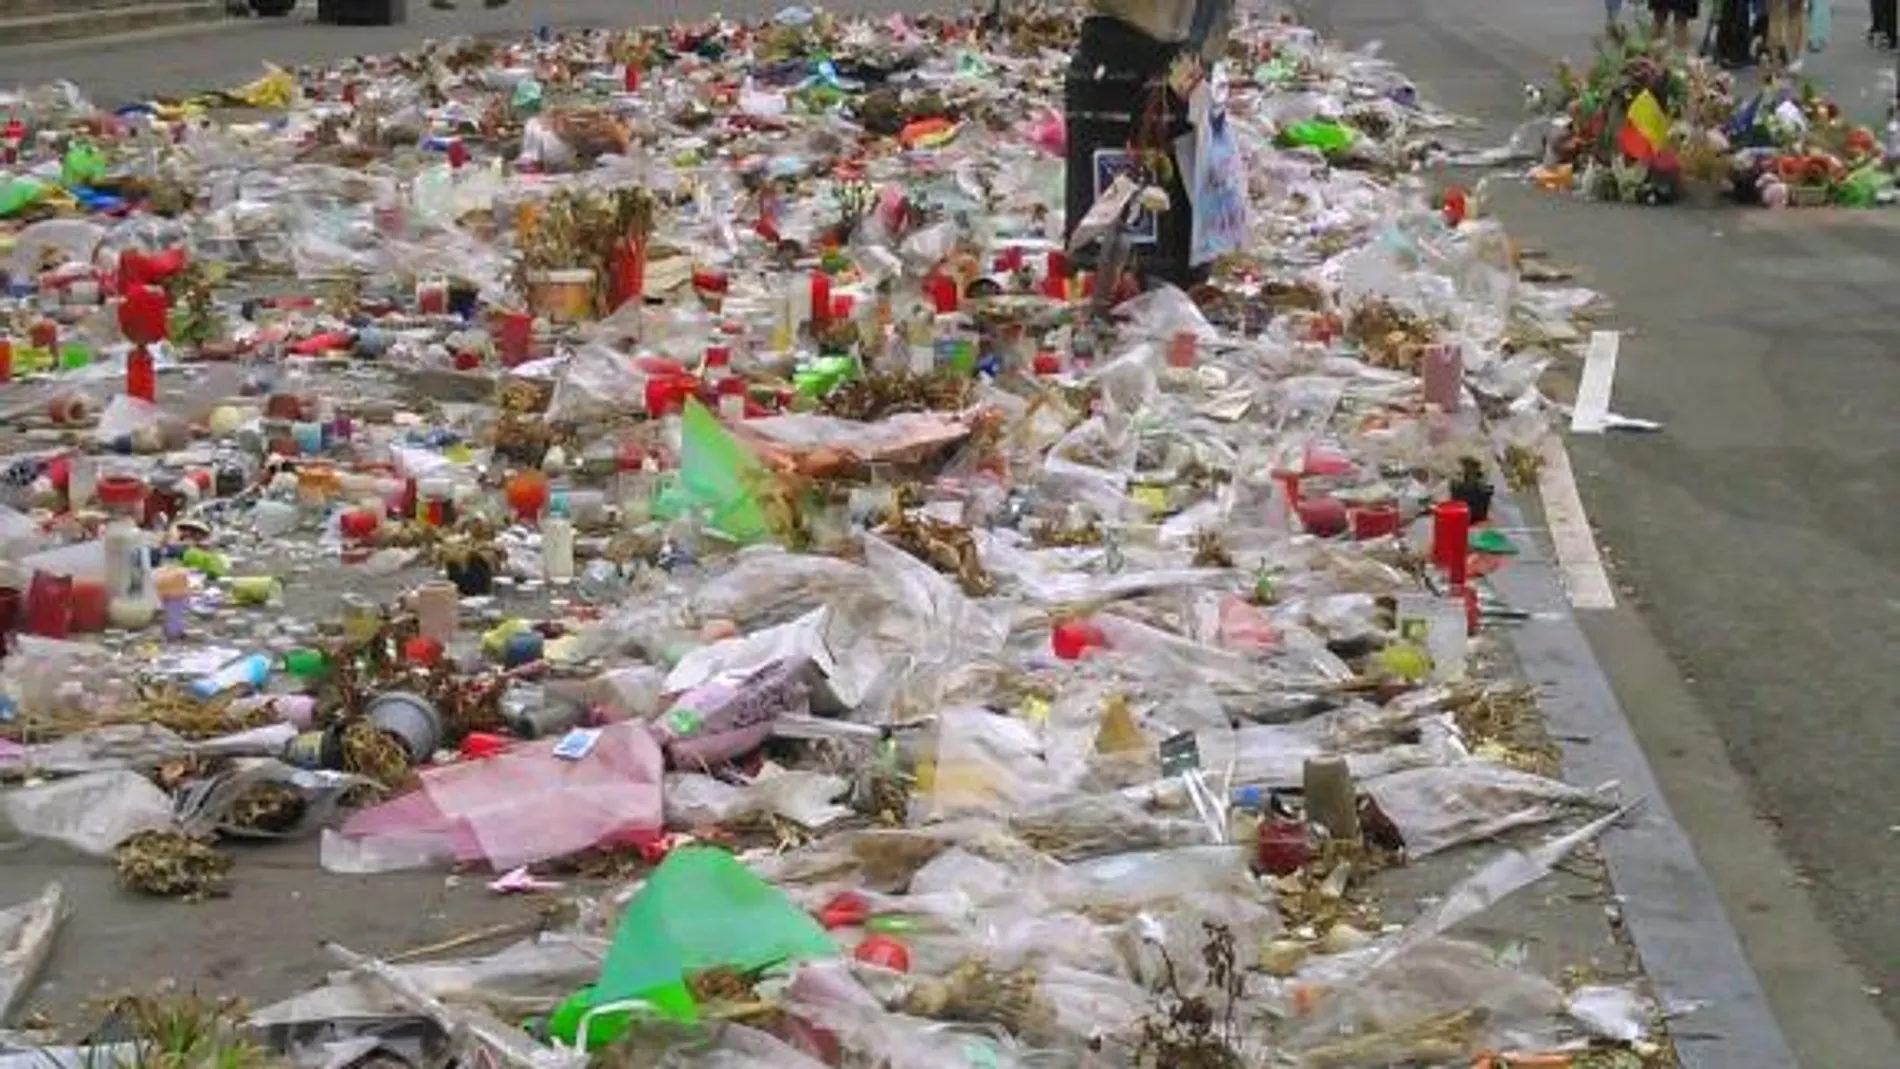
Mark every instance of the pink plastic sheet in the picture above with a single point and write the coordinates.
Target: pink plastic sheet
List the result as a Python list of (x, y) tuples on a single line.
[(526, 805)]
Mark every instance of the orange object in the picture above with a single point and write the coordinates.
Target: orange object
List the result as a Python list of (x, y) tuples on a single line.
[(927, 132), (527, 494), (1457, 206)]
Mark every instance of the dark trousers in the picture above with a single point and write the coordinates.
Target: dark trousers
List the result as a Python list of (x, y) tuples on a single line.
[(1884, 17)]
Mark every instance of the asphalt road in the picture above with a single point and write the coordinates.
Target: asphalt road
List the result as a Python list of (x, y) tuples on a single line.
[(1761, 592), (1760, 589)]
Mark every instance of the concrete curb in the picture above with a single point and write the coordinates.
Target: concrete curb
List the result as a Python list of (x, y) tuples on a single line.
[(1689, 950), (57, 24)]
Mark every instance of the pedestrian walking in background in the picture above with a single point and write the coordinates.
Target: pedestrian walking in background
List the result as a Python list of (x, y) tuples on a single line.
[(1881, 28), (1673, 18), (1736, 31), (1787, 33), (1820, 24)]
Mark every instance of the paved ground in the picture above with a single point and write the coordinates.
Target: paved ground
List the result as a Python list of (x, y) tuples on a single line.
[(261, 941), (1759, 600), (1755, 340)]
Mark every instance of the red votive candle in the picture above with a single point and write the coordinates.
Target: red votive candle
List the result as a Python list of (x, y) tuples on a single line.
[(1451, 539), (820, 298)]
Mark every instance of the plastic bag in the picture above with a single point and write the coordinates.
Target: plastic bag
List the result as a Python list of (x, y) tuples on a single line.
[(803, 797), (1438, 808), (207, 805), (1433, 978), (92, 813), (983, 763), (516, 808)]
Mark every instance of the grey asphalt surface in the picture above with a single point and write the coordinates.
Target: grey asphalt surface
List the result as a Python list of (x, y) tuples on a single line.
[(1758, 604), (1758, 583)]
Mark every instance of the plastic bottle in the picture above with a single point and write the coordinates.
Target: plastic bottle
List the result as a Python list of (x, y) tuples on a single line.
[(121, 537), (82, 481), (132, 602), (251, 671), (557, 545)]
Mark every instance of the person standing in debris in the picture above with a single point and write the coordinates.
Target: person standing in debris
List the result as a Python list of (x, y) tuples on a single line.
[(1673, 18)]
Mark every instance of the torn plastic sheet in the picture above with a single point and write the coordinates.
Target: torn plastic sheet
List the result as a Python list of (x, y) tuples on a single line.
[(26, 941), (1438, 808), (1372, 1019), (525, 978), (802, 797), (206, 806), (1617, 1014), (92, 813), (515, 808)]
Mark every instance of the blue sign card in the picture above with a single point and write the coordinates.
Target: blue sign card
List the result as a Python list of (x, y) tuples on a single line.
[(1112, 163)]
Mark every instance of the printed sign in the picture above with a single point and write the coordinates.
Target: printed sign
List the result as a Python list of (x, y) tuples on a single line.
[(1180, 754), (1112, 163)]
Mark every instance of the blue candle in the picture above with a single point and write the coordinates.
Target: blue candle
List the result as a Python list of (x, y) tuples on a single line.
[(308, 436)]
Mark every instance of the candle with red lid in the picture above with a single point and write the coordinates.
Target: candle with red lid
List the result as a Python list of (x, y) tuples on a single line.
[(49, 605), (514, 337), (1451, 539), (820, 299), (943, 292), (90, 606)]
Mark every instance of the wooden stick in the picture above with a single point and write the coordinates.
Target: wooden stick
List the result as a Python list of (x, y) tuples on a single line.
[(469, 938)]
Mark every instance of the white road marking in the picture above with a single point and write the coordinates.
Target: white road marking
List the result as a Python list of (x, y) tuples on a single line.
[(1591, 413), (1578, 562)]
